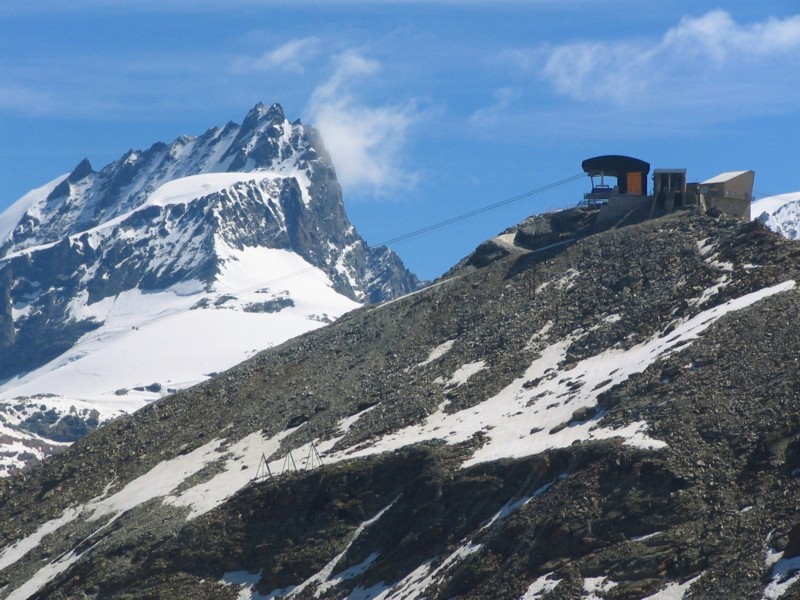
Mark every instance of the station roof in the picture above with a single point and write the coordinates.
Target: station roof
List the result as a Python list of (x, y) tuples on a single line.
[(723, 177), (614, 164)]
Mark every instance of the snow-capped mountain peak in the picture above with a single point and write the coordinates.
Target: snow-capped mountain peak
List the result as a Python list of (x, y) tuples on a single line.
[(217, 246), (265, 141)]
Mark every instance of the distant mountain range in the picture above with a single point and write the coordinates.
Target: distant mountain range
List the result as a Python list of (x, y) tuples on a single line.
[(121, 285)]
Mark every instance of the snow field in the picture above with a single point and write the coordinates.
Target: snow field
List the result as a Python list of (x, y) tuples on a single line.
[(157, 337)]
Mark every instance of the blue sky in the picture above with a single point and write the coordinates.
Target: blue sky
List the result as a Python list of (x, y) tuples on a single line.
[(430, 109)]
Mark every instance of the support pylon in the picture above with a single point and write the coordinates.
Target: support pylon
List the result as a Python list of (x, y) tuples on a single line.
[(313, 459), (263, 470), (289, 460)]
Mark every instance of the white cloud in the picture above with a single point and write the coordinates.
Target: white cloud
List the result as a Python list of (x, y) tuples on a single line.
[(504, 98), (709, 54), (716, 36), (365, 142), (287, 57)]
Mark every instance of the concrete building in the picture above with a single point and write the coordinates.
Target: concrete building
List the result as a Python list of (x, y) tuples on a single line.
[(729, 192), (669, 189)]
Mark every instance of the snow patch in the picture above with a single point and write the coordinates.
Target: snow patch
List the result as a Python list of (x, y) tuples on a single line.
[(345, 424), (237, 464), (785, 573), (187, 189), (710, 292), (323, 579), (437, 352), (642, 538), (596, 584), (464, 372), (540, 336), (513, 505), (704, 247), (543, 585), (566, 282), (674, 591)]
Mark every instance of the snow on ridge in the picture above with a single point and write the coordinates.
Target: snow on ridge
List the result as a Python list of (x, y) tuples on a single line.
[(780, 213), (10, 217), (503, 417), (159, 167), (182, 190), (186, 189), (10, 554), (341, 263), (161, 481), (771, 204)]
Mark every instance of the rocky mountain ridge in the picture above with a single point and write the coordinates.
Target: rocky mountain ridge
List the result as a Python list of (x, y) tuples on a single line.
[(244, 219), (85, 198), (611, 417)]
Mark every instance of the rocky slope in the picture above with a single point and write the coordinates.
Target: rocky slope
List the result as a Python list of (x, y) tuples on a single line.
[(614, 416), (229, 242)]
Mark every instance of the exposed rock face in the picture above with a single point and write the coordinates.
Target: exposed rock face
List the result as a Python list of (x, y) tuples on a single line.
[(616, 416), (169, 218)]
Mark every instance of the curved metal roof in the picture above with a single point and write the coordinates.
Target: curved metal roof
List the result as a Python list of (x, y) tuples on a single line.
[(614, 164)]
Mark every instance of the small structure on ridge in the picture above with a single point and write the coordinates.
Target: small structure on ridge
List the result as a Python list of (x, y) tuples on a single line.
[(630, 174), (729, 193)]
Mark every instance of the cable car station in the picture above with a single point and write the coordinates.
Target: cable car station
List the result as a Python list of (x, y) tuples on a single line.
[(619, 188)]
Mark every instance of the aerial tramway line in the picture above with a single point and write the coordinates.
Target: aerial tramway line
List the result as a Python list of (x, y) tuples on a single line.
[(391, 241)]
